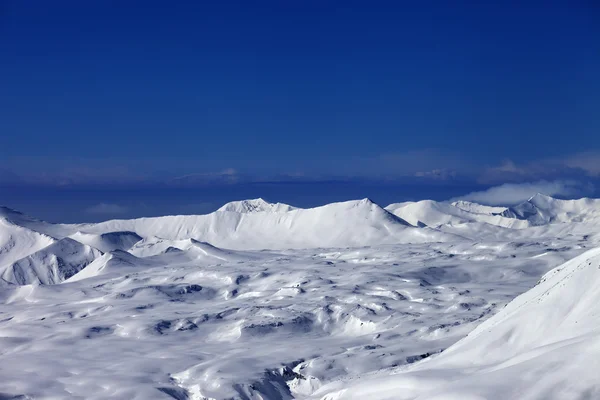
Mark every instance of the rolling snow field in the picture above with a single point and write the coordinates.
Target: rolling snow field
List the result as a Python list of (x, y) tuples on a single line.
[(418, 300)]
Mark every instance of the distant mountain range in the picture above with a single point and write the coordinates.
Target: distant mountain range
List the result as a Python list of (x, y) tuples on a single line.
[(34, 251)]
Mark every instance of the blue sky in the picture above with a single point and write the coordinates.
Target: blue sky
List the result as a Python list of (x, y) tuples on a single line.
[(141, 93)]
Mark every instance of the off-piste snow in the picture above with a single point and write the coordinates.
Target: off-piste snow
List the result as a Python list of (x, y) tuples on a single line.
[(416, 300)]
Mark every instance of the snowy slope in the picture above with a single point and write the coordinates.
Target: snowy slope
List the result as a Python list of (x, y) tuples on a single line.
[(541, 209), (17, 218), (545, 344), (153, 246), (118, 261), (435, 214), (109, 241), (478, 208), (52, 264), (273, 325), (17, 242)]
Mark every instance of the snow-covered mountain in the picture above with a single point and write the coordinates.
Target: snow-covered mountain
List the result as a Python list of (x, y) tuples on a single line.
[(541, 210), (34, 251), (347, 224), (257, 224), (17, 242), (52, 264), (478, 208), (435, 214), (538, 210), (268, 301)]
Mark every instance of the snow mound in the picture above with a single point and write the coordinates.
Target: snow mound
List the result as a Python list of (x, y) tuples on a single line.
[(107, 242), (352, 223), (545, 344), (255, 205), (52, 264)]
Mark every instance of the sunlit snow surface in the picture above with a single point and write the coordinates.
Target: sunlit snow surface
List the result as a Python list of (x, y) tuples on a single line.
[(175, 317)]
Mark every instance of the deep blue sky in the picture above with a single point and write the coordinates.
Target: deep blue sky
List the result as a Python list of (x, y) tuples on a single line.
[(125, 91)]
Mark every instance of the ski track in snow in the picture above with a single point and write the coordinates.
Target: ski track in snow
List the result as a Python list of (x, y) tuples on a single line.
[(179, 318)]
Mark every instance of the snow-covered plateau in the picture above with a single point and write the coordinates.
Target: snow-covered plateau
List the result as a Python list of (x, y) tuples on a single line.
[(418, 300)]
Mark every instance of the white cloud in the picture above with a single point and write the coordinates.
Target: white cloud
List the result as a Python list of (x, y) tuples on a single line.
[(587, 161), (573, 166), (440, 174), (229, 175), (107, 208), (514, 193)]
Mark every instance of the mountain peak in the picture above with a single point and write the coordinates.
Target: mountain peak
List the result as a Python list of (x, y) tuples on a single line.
[(540, 196), (255, 205)]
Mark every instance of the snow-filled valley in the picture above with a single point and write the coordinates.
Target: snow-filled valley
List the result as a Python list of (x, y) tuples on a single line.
[(417, 300)]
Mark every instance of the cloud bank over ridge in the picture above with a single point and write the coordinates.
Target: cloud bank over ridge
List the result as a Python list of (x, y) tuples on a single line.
[(514, 193)]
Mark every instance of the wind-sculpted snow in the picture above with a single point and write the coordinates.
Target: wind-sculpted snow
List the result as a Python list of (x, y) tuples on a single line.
[(349, 302), (542, 345), (277, 325)]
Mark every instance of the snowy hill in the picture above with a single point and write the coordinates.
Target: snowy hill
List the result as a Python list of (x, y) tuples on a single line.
[(116, 261), (478, 208), (352, 223), (17, 218), (109, 241), (537, 211), (154, 246), (257, 224), (435, 214), (541, 210), (52, 264), (17, 242)]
